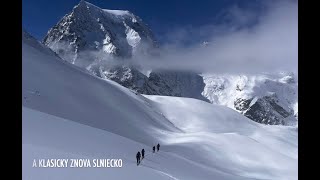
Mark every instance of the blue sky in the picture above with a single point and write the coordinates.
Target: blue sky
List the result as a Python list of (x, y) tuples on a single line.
[(162, 16)]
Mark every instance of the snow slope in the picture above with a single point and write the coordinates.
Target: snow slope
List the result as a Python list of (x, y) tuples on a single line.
[(69, 113), (223, 139), (67, 92)]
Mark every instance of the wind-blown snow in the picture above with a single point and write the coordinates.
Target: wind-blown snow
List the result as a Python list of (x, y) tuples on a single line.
[(117, 12), (69, 113)]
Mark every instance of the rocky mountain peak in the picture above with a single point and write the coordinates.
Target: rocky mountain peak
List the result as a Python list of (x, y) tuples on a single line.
[(89, 28)]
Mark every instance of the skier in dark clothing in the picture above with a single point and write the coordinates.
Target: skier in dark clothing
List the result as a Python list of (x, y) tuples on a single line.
[(158, 147), (138, 157), (154, 148), (142, 153)]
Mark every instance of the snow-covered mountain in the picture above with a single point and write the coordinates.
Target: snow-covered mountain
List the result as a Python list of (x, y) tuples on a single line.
[(265, 98), (70, 113), (89, 28), (102, 40)]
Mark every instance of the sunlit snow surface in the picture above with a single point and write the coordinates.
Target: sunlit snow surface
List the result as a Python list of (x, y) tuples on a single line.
[(68, 113)]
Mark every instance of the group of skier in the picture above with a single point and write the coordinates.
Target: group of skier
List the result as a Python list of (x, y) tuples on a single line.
[(140, 156)]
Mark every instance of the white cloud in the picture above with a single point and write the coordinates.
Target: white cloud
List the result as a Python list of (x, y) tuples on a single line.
[(270, 45)]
